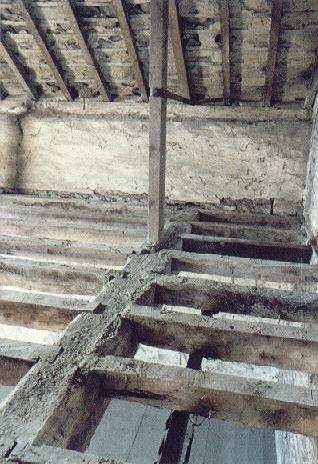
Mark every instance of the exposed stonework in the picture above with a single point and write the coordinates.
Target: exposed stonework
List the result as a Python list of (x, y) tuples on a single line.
[(311, 198)]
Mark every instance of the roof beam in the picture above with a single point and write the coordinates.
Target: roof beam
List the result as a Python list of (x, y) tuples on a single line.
[(17, 69), (157, 118), (225, 34), (178, 51), (276, 16), (121, 13), (71, 16), (49, 57)]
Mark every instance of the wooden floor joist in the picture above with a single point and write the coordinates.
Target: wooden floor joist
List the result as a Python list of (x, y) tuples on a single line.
[(230, 338), (248, 232), (41, 310), (16, 358), (215, 297), (50, 59), (251, 402), (289, 252), (71, 15), (287, 275), (281, 222)]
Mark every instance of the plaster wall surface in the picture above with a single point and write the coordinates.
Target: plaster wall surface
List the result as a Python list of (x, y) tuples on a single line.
[(207, 160), (9, 143)]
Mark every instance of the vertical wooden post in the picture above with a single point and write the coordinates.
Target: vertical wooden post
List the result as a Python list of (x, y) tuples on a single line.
[(157, 119)]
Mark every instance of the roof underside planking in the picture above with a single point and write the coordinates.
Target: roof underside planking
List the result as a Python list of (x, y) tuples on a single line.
[(257, 68)]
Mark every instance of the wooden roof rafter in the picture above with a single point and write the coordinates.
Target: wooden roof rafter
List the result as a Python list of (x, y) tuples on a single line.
[(225, 36), (177, 47), (123, 19), (49, 57), (276, 16), (70, 12), (17, 69)]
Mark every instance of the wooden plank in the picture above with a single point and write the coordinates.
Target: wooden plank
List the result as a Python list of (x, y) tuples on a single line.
[(276, 16), (157, 119), (288, 252), (291, 275), (282, 222), (70, 12), (22, 351), (284, 345), (17, 69), (177, 47), (215, 297), (40, 310), (225, 35), (16, 358), (90, 255), (121, 13), (248, 232), (247, 401), (50, 59)]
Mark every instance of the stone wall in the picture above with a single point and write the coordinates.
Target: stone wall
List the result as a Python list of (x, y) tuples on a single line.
[(208, 160), (311, 197)]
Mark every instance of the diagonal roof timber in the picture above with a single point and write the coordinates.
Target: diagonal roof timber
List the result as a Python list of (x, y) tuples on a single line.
[(17, 69), (49, 57), (177, 47), (70, 12), (122, 16), (276, 16)]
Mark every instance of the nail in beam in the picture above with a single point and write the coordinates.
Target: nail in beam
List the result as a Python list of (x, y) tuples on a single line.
[(157, 119)]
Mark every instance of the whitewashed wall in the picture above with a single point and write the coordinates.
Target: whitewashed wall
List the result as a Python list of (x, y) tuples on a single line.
[(207, 160)]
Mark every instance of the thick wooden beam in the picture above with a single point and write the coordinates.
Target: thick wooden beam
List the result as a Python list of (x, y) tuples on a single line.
[(40, 310), (215, 297), (281, 222), (276, 16), (225, 33), (16, 358), (157, 119), (233, 269), (17, 69), (230, 338), (291, 252), (51, 61), (121, 13), (251, 402), (247, 232), (177, 47), (71, 16)]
